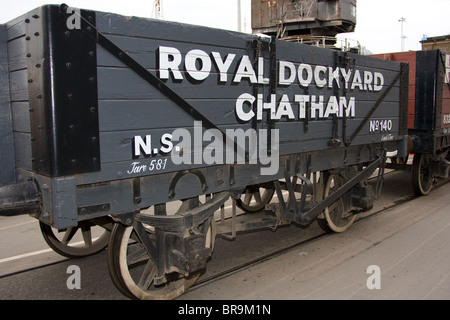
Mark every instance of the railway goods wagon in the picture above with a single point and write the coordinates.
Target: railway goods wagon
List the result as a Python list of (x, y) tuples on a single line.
[(146, 128), (428, 115)]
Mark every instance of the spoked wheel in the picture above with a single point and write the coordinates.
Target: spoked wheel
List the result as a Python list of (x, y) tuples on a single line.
[(255, 197), (335, 217), (86, 239), (422, 176), (133, 255)]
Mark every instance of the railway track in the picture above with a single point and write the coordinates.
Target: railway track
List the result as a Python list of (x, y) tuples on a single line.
[(205, 280), (225, 262)]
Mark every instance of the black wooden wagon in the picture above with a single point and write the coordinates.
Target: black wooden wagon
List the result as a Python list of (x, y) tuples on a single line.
[(147, 128)]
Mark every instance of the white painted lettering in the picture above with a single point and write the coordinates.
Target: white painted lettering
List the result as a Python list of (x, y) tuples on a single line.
[(198, 64), (333, 76), (320, 82), (261, 79), (245, 70), (169, 59), (378, 81), (283, 78), (309, 74), (223, 66), (244, 99)]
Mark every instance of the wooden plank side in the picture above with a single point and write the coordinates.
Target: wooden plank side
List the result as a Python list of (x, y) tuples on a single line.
[(118, 145), (113, 24), (18, 78), (129, 107), (16, 28), (19, 85), (7, 174), (410, 58), (22, 148), (21, 116), (124, 84), (17, 56), (446, 106), (446, 93), (119, 83), (158, 114)]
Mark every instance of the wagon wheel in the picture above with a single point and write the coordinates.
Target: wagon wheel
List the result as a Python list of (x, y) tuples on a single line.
[(255, 197), (132, 269), (335, 217), (94, 238), (422, 176)]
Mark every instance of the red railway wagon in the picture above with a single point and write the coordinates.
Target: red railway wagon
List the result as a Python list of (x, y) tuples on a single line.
[(428, 114)]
